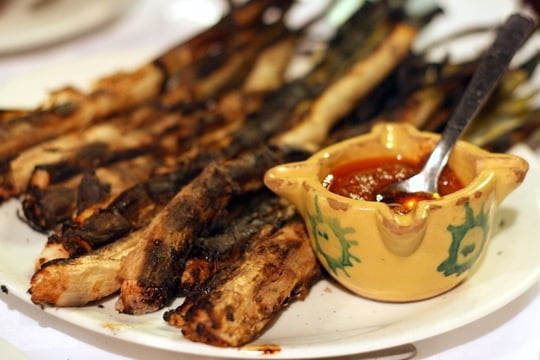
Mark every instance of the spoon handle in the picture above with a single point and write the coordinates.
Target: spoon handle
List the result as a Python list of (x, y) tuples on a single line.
[(510, 36)]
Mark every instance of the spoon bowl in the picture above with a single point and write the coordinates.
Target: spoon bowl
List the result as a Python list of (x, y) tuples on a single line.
[(511, 35)]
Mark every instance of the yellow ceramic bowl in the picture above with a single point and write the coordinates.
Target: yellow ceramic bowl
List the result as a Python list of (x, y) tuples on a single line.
[(380, 254)]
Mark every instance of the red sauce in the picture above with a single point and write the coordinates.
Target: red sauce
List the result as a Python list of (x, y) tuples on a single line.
[(363, 180)]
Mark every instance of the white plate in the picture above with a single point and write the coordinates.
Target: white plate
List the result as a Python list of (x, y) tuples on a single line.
[(330, 322), (23, 26), (9, 351)]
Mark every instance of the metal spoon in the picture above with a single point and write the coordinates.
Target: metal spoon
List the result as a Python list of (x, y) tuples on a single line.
[(510, 36)]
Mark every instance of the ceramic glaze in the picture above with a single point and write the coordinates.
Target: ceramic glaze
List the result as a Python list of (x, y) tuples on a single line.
[(383, 255)]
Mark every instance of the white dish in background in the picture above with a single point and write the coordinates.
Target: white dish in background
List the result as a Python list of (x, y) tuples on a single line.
[(330, 321), (26, 24)]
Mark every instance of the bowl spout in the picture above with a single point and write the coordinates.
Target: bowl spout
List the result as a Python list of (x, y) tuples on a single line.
[(287, 180), (508, 171)]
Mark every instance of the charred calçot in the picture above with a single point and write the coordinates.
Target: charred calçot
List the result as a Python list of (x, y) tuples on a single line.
[(243, 297), (69, 109), (248, 217), (168, 238), (130, 208)]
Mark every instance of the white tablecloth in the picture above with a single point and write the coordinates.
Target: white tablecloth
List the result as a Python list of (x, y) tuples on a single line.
[(512, 332)]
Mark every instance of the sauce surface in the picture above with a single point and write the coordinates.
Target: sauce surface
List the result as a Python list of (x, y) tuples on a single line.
[(365, 179)]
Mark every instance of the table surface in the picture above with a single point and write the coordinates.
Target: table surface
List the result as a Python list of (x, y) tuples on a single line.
[(512, 332)]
